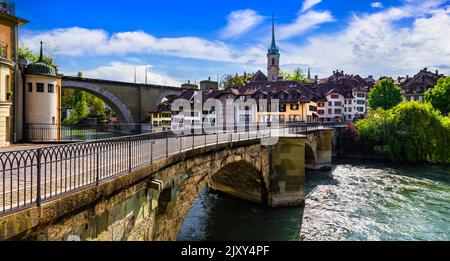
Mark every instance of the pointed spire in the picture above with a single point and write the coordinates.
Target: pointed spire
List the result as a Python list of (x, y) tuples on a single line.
[(273, 47), (309, 73), (41, 55)]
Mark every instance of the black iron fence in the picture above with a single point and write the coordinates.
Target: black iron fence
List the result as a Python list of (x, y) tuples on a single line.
[(29, 177), (55, 132)]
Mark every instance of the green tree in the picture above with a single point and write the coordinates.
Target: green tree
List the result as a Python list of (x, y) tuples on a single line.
[(31, 57), (385, 95), (97, 106), (439, 96), (79, 108), (236, 81), (411, 131), (297, 76), (80, 74)]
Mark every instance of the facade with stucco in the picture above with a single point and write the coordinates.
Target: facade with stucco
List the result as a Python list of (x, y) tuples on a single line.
[(9, 26)]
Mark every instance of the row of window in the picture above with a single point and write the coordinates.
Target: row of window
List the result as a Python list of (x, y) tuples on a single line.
[(40, 87), (339, 104), (414, 98), (359, 95), (339, 111)]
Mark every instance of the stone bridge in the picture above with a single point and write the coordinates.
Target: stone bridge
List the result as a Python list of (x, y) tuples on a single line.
[(131, 101), (151, 202)]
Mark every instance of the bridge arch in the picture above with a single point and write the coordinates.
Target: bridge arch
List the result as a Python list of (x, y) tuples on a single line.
[(236, 172), (240, 179), (167, 93), (110, 99)]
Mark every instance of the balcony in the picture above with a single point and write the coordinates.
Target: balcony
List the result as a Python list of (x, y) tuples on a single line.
[(6, 8)]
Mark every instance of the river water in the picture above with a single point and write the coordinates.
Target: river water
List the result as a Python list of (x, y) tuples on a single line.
[(357, 200)]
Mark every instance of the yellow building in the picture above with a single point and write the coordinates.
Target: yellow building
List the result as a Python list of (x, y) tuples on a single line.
[(9, 27), (161, 121), (291, 112)]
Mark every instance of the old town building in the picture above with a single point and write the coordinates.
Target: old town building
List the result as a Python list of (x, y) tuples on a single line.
[(9, 78), (413, 89)]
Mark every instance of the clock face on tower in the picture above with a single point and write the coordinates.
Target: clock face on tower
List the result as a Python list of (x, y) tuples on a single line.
[(273, 69)]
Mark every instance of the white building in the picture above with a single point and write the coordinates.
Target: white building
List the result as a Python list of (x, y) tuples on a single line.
[(42, 100)]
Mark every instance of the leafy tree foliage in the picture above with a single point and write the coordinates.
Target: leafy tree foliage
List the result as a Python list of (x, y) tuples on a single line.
[(439, 96), (79, 105), (385, 95), (238, 81), (96, 104), (297, 76), (411, 131), (31, 57)]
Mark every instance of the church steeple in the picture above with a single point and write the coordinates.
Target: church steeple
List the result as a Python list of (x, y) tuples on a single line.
[(273, 57), (273, 47)]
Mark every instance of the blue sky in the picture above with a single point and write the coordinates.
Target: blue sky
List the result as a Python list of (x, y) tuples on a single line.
[(193, 40)]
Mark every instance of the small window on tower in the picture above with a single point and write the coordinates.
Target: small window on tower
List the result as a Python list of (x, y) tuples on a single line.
[(51, 88), (39, 87), (30, 87), (273, 61)]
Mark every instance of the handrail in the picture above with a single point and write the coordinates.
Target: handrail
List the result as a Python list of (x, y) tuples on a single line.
[(29, 177)]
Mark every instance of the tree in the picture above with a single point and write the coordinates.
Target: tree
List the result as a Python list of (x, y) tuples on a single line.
[(80, 74), (31, 57), (385, 95), (97, 106), (439, 96), (79, 108), (411, 131), (236, 81), (297, 76)]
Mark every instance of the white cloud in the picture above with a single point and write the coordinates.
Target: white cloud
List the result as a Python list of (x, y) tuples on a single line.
[(240, 22), (76, 41), (304, 23), (307, 4), (376, 5), (375, 44), (118, 71)]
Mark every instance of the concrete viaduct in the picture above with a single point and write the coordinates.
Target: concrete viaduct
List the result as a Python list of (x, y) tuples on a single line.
[(151, 202), (131, 101)]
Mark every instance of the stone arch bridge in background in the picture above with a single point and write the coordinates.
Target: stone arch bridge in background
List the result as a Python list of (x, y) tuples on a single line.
[(131, 101)]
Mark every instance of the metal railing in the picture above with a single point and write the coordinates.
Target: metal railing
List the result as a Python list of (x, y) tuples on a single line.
[(29, 177), (56, 132), (7, 8)]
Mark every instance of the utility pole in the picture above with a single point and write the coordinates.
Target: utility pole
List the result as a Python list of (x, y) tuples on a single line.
[(146, 73), (135, 76)]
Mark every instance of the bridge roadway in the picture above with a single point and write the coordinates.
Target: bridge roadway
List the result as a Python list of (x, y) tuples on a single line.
[(29, 177)]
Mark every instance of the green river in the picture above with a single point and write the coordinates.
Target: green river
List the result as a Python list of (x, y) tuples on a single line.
[(357, 200)]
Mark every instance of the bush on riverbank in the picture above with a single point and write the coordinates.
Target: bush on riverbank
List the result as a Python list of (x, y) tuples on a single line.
[(411, 131)]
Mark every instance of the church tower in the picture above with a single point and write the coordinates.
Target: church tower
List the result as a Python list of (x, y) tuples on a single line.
[(273, 57)]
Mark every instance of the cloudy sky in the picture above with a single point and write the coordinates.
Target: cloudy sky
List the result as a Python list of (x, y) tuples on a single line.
[(193, 40)]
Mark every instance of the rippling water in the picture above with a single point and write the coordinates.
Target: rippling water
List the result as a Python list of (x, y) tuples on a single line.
[(354, 201)]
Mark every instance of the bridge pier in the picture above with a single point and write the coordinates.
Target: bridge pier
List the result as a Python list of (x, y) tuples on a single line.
[(287, 173), (319, 149)]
